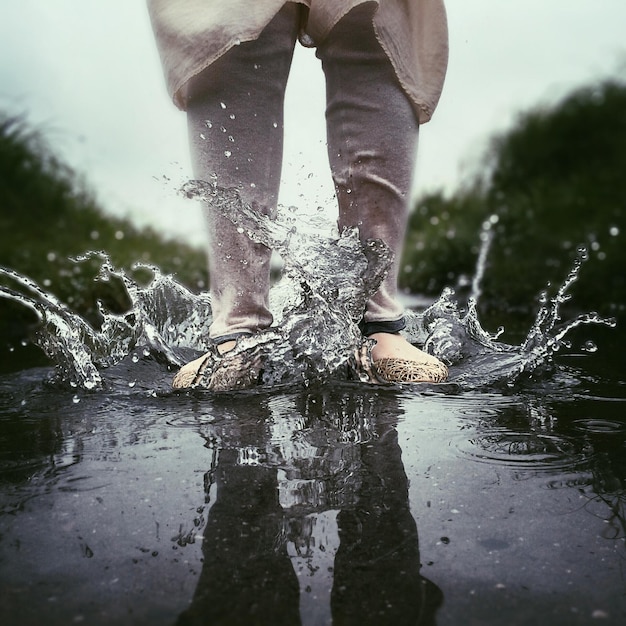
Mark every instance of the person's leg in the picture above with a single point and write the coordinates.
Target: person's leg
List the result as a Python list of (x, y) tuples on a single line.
[(372, 141), (235, 121)]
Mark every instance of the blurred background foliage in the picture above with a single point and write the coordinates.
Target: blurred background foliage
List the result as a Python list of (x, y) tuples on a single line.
[(48, 217), (555, 181)]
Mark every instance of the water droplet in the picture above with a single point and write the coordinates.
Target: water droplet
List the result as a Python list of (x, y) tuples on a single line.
[(202, 136), (135, 358), (75, 399), (51, 256), (227, 153), (222, 105), (614, 231), (252, 185), (589, 346), (240, 230), (94, 234), (132, 383), (146, 352), (232, 116), (275, 125), (231, 139), (119, 235), (583, 253), (208, 124)]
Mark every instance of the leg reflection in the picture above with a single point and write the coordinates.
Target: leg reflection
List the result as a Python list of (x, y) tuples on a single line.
[(246, 576), (311, 521), (377, 567)]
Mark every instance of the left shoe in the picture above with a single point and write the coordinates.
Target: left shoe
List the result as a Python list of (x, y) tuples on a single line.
[(216, 372)]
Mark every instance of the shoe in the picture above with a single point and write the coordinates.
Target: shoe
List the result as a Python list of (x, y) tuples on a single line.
[(217, 372), (189, 373), (393, 367), (392, 370)]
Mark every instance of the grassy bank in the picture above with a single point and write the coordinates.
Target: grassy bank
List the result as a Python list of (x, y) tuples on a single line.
[(48, 216), (553, 182)]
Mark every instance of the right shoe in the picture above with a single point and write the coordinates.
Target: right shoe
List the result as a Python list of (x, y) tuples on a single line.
[(394, 367), (391, 370)]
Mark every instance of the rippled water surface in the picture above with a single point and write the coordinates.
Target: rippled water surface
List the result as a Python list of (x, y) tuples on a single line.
[(338, 503), (316, 498)]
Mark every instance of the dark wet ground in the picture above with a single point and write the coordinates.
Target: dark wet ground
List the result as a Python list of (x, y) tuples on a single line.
[(338, 504)]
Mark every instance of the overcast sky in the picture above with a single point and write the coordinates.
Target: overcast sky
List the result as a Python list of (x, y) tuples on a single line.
[(87, 73)]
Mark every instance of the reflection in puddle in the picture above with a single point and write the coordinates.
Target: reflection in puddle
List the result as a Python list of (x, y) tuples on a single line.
[(304, 507), (311, 510)]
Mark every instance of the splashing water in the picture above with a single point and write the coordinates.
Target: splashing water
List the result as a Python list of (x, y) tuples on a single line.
[(326, 281)]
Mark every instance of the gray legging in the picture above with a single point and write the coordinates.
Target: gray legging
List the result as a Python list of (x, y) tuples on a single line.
[(235, 118)]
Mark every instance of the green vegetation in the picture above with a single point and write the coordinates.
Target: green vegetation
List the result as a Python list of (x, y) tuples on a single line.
[(555, 181), (48, 216)]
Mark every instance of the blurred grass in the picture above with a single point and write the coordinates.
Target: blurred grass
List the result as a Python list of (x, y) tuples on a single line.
[(48, 216), (555, 181)]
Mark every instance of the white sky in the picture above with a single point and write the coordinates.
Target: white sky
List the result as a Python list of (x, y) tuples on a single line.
[(87, 72)]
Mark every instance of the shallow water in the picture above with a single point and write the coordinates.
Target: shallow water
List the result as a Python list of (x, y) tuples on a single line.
[(316, 498), (338, 503)]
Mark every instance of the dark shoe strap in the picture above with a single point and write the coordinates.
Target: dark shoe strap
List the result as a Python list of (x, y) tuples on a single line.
[(393, 326), (218, 341)]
